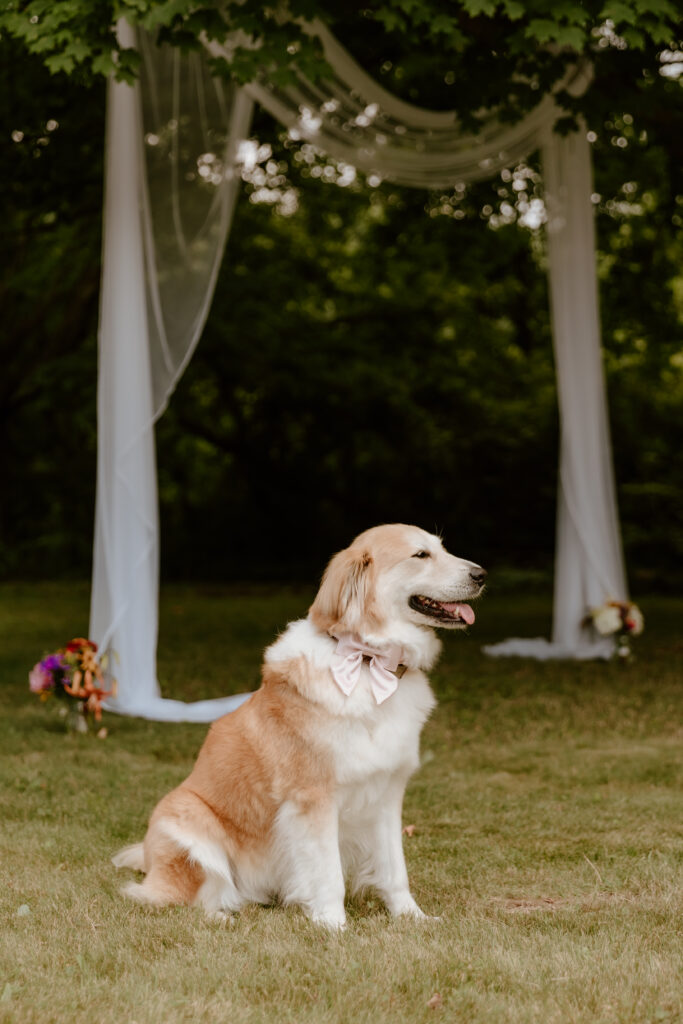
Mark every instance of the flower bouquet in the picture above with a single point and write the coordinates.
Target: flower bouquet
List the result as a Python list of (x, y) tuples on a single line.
[(75, 674), (620, 619)]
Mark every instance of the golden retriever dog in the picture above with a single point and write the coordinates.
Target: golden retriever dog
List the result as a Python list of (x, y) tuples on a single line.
[(301, 788)]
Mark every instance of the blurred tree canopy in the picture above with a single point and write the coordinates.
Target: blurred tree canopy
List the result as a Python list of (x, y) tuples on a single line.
[(502, 50), (372, 353)]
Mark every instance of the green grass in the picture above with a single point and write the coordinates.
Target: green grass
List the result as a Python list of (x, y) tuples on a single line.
[(548, 822)]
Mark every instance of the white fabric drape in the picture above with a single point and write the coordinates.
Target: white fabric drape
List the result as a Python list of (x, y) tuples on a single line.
[(589, 564), (588, 560), (355, 120), (168, 207), (161, 238)]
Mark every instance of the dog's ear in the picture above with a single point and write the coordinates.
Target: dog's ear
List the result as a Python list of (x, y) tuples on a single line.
[(346, 601)]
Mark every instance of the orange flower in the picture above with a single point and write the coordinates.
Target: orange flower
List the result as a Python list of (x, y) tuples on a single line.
[(79, 643)]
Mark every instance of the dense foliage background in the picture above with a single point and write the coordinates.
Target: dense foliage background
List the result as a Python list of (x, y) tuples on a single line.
[(372, 354)]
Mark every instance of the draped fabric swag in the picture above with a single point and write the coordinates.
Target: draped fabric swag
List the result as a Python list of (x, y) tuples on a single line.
[(173, 152)]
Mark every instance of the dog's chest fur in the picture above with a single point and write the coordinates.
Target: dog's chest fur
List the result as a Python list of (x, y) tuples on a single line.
[(365, 741)]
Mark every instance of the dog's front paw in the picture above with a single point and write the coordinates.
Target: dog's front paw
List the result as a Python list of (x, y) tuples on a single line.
[(415, 912), (403, 905), (417, 915), (220, 917), (334, 921)]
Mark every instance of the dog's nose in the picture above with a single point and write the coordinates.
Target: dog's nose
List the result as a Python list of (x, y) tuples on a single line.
[(479, 575)]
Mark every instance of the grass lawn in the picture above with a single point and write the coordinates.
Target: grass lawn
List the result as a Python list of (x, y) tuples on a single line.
[(548, 822)]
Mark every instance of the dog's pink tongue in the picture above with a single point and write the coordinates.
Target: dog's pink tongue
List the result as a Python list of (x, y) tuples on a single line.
[(463, 610)]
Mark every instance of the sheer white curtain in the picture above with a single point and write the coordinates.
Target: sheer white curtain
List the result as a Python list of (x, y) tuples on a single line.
[(354, 119), (588, 560), (170, 190)]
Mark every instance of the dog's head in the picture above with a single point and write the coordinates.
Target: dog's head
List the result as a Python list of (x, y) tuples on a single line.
[(395, 575)]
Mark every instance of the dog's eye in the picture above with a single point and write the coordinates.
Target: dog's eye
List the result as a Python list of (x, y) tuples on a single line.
[(422, 554)]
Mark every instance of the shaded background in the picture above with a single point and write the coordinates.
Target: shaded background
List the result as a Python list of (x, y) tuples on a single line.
[(372, 353)]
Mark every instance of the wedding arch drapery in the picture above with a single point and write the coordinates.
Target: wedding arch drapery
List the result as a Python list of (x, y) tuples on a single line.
[(172, 177), (165, 227)]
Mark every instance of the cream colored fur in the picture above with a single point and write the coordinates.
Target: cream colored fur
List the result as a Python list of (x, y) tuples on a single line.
[(300, 790)]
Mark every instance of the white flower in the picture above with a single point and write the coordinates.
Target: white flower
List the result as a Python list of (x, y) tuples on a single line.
[(607, 619), (634, 620)]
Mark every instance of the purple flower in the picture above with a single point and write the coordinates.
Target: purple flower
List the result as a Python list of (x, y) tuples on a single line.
[(54, 663), (40, 679)]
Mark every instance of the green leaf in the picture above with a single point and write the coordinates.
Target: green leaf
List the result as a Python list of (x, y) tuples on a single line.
[(442, 24), (567, 10), (103, 64), (634, 38), (513, 9), (661, 33), (541, 29), (392, 20), (57, 62), (167, 13), (663, 8), (570, 36), (78, 50), (618, 12), (475, 7), (545, 31), (415, 9)]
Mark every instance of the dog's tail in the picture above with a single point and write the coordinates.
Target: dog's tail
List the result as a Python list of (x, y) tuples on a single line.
[(130, 857)]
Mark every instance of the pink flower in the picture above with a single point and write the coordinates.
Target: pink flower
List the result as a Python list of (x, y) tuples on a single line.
[(39, 679)]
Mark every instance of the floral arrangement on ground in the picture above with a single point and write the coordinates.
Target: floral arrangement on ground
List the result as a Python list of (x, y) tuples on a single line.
[(75, 675), (620, 619)]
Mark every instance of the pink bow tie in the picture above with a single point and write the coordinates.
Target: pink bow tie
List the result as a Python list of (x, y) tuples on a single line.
[(383, 664)]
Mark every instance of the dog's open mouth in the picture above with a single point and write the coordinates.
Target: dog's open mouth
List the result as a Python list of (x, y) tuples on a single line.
[(445, 611)]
